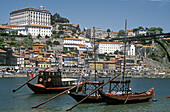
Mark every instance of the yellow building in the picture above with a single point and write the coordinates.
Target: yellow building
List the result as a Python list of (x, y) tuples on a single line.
[(102, 65)]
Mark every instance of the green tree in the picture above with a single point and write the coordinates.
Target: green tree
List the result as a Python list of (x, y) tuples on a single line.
[(65, 50), (156, 29), (38, 36), (56, 36), (116, 52), (54, 32), (108, 31), (1, 42), (74, 31), (57, 18), (87, 36), (14, 32), (61, 28), (29, 36), (12, 39), (56, 43), (46, 36), (48, 42), (4, 34), (140, 27), (121, 33), (100, 40)]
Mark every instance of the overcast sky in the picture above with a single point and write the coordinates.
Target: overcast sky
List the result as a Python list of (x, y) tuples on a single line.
[(105, 14)]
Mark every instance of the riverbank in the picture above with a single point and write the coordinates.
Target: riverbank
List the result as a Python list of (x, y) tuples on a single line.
[(103, 76), (11, 76)]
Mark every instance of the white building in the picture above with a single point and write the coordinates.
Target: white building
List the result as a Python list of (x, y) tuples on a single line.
[(80, 43), (29, 15), (141, 32), (130, 33), (33, 29), (31, 21), (20, 60), (65, 26), (109, 47), (130, 50)]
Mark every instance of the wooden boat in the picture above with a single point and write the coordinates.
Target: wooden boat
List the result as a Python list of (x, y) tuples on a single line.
[(95, 98), (123, 98), (122, 93), (168, 97), (51, 81)]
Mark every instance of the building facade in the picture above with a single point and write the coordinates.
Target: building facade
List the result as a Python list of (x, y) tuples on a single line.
[(29, 15), (78, 43), (65, 26), (31, 21), (98, 33), (33, 29), (109, 47)]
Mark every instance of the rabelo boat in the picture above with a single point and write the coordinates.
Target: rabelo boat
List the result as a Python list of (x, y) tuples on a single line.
[(119, 91), (51, 81)]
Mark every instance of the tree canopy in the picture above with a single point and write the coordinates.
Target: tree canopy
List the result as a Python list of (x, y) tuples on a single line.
[(156, 29), (121, 33), (57, 18)]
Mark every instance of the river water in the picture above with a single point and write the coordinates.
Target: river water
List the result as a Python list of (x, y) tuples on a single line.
[(24, 99)]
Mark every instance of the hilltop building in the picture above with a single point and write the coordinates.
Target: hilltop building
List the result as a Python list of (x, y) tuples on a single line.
[(65, 26), (29, 15), (31, 21)]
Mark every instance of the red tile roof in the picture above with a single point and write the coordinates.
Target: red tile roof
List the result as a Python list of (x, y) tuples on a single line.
[(5, 27), (111, 42), (35, 25)]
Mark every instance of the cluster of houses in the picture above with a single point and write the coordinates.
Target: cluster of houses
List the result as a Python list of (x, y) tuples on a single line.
[(39, 57), (38, 22)]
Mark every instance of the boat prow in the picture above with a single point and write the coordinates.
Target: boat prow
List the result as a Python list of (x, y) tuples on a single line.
[(37, 88)]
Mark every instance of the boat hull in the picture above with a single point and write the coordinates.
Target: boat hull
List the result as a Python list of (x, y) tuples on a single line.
[(90, 99), (42, 90), (130, 98)]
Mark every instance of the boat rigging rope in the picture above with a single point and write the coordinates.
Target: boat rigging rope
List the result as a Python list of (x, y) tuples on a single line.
[(126, 99), (78, 83)]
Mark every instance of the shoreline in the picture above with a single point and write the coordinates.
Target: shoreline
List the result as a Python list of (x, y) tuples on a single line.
[(77, 76)]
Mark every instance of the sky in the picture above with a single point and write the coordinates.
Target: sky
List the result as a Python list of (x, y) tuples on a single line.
[(104, 14)]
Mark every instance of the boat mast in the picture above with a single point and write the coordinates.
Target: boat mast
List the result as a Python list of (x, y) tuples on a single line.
[(124, 65), (94, 51)]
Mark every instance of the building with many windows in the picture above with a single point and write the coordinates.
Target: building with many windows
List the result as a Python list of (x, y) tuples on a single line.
[(33, 29), (81, 44), (29, 15), (109, 47), (31, 21)]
